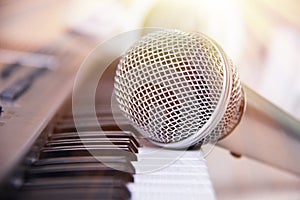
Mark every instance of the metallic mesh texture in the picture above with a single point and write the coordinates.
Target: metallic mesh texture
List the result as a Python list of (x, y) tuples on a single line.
[(169, 84), (234, 111)]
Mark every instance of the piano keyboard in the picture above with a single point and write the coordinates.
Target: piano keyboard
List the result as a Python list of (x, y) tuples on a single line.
[(43, 157), (108, 164)]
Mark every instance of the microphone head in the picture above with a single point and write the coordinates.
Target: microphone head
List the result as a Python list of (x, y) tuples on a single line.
[(179, 89)]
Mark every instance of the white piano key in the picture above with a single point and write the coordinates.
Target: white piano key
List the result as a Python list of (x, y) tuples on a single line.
[(170, 174)]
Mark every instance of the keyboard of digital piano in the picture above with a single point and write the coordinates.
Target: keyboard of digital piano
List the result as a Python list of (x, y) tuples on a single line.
[(44, 157)]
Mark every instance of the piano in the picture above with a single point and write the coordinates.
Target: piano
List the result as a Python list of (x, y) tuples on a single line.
[(42, 156), (45, 156)]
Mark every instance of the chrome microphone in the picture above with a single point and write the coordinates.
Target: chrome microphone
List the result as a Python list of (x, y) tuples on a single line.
[(179, 89)]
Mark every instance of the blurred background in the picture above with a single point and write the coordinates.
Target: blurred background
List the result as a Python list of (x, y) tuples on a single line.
[(261, 36)]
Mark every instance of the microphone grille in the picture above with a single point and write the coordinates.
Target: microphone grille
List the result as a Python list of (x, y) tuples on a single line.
[(174, 87)]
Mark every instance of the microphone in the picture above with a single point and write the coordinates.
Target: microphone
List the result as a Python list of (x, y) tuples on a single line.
[(180, 89)]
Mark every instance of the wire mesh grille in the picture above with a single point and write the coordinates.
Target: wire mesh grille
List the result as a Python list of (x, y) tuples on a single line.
[(169, 84), (233, 112)]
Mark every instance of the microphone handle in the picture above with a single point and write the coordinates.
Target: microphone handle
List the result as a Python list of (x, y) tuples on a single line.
[(267, 134)]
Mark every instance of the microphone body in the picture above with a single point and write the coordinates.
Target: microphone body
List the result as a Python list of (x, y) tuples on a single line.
[(266, 133)]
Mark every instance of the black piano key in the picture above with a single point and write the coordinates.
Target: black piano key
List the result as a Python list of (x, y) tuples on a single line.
[(95, 134), (84, 159), (105, 126), (122, 171), (105, 160), (107, 121), (87, 183), (88, 151), (93, 141), (87, 119), (87, 193), (72, 182)]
